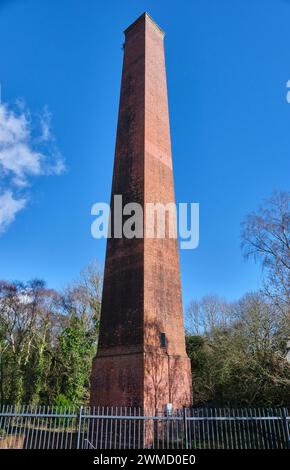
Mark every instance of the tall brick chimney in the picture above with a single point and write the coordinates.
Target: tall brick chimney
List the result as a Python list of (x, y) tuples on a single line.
[(141, 358)]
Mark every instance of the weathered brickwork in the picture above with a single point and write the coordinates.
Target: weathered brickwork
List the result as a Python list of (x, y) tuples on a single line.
[(142, 293)]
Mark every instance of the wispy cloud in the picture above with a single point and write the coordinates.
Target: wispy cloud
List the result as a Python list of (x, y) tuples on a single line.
[(9, 206), (27, 150)]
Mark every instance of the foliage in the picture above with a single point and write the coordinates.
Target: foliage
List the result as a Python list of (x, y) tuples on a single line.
[(48, 340), (240, 361), (61, 402)]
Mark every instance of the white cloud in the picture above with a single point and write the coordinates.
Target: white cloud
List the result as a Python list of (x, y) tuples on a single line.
[(20, 161), (9, 206), (27, 150), (45, 121)]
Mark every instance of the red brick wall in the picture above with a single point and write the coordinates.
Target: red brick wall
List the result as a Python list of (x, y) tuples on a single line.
[(142, 293)]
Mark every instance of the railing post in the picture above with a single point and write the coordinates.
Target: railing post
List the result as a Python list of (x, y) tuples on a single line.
[(79, 427), (286, 426), (185, 427)]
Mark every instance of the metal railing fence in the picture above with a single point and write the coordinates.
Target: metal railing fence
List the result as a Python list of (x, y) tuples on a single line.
[(45, 427)]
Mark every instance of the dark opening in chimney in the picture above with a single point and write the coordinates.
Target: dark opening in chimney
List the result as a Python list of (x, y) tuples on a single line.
[(162, 340)]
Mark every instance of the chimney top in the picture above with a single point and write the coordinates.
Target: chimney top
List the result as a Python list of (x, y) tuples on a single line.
[(145, 16)]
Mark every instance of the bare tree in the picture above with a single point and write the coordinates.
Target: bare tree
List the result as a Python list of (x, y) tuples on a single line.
[(266, 239), (211, 312), (82, 297)]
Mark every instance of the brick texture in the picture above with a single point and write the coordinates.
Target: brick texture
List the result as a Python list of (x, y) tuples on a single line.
[(142, 293)]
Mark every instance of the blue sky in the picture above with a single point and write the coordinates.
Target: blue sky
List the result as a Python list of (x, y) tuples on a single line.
[(228, 63)]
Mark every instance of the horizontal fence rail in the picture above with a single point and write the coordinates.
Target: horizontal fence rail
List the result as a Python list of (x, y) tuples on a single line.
[(43, 427)]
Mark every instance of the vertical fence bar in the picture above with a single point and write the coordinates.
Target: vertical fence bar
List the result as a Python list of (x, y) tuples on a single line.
[(152, 422), (212, 429), (106, 428), (134, 429), (72, 422), (1, 420), (120, 428), (125, 429), (58, 427), (185, 428), (130, 426), (177, 430), (11, 423), (98, 425), (206, 428), (116, 429), (92, 429), (66, 425), (271, 426), (286, 427), (62, 428), (249, 427), (111, 427), (20, 427), (278, 439), (79, 427), (192, 433), (264, 424), (6, 426), (144, 437), (26, 426)]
